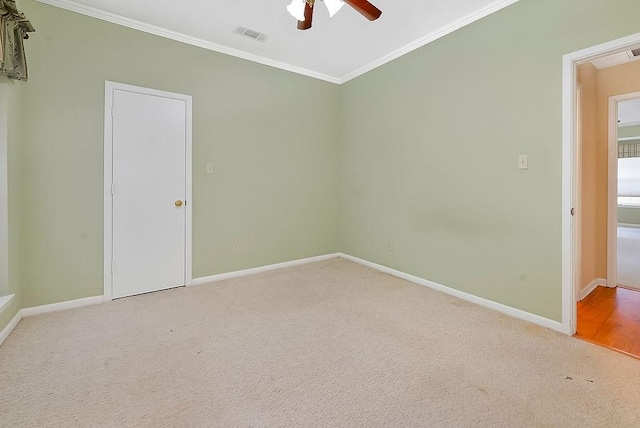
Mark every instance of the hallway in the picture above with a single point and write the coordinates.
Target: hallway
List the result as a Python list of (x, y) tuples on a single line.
[(610, 317)]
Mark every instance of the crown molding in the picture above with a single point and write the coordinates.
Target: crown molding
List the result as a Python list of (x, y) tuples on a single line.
[(93, 12), (431, 37)]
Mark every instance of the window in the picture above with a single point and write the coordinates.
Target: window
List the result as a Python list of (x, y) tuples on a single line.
[(629, 201), (629, 182)]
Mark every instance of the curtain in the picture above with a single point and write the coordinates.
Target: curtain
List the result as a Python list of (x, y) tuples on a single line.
[(14, 27), (629, 149), (629, 177)]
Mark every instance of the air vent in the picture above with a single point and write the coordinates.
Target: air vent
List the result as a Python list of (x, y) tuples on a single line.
[(246, 32), (636, 52)]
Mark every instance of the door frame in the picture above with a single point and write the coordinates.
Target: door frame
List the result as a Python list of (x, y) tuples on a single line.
[(612, 193), (577, 243), (570, 261), (109, 87)]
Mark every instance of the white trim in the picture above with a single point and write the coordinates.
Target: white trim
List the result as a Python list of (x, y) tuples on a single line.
[(109, 87), (188, 250), (608, 48), (621, 140), (569, 307), (569, 280), (4, 301), (490, 304), (612, 192), (9, 327), (612, 185), (62, 306), (431, 37), (626, 125), (629, 224), (261, 269), (598, 282), (93, 12), (108, 200), (577, 183)]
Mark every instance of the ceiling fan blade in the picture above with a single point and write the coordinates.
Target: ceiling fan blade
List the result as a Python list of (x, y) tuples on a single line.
[(365, 8), (308, 17)]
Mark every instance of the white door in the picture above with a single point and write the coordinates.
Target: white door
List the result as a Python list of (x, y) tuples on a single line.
[(149, 217)]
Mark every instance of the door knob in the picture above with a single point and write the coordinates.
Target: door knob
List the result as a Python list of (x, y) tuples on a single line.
[(178, 203)]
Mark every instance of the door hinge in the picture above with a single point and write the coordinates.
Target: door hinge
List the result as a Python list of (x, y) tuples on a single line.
[(112, 267), (111, 110), (113, 189), (573, 211)]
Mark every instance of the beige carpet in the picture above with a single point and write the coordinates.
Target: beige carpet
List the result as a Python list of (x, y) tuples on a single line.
[(327, 344)]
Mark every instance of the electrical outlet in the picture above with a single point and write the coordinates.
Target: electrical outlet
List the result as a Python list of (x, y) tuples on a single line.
[(236, 249), (390, 246), (209, 168)]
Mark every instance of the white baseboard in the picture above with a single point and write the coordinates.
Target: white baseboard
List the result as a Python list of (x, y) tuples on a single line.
[(9, 328), (592, 286), (261, 269), (508, 310), (628, 225), (517, 313), (54, 307), (88, 301)]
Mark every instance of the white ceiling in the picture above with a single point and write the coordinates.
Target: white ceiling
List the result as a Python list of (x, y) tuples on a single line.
[(336, 49), (629, 113)]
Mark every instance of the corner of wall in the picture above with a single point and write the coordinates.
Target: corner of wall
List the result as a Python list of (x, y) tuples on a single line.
[(340, 109)]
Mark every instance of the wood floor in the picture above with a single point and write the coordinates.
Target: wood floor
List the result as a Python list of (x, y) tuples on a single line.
[(611, 317)]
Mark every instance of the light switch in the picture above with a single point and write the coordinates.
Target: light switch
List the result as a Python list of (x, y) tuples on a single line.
[(523, 162), (209, 168)]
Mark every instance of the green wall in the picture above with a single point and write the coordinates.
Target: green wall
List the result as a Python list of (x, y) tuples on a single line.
[(271, 135), (10, 91), (420, 153), (629, 215), (628, 131), (430, 148)]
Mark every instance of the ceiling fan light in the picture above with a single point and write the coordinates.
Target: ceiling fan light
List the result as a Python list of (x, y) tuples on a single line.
[(296, 9), (333, 6)]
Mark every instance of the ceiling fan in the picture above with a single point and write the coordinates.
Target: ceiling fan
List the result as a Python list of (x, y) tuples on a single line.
[(302, 10)]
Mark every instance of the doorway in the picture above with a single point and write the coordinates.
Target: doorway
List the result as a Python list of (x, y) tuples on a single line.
[(605, 178), (628, 191), (147, 179), (610, 315), (571, 186)]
